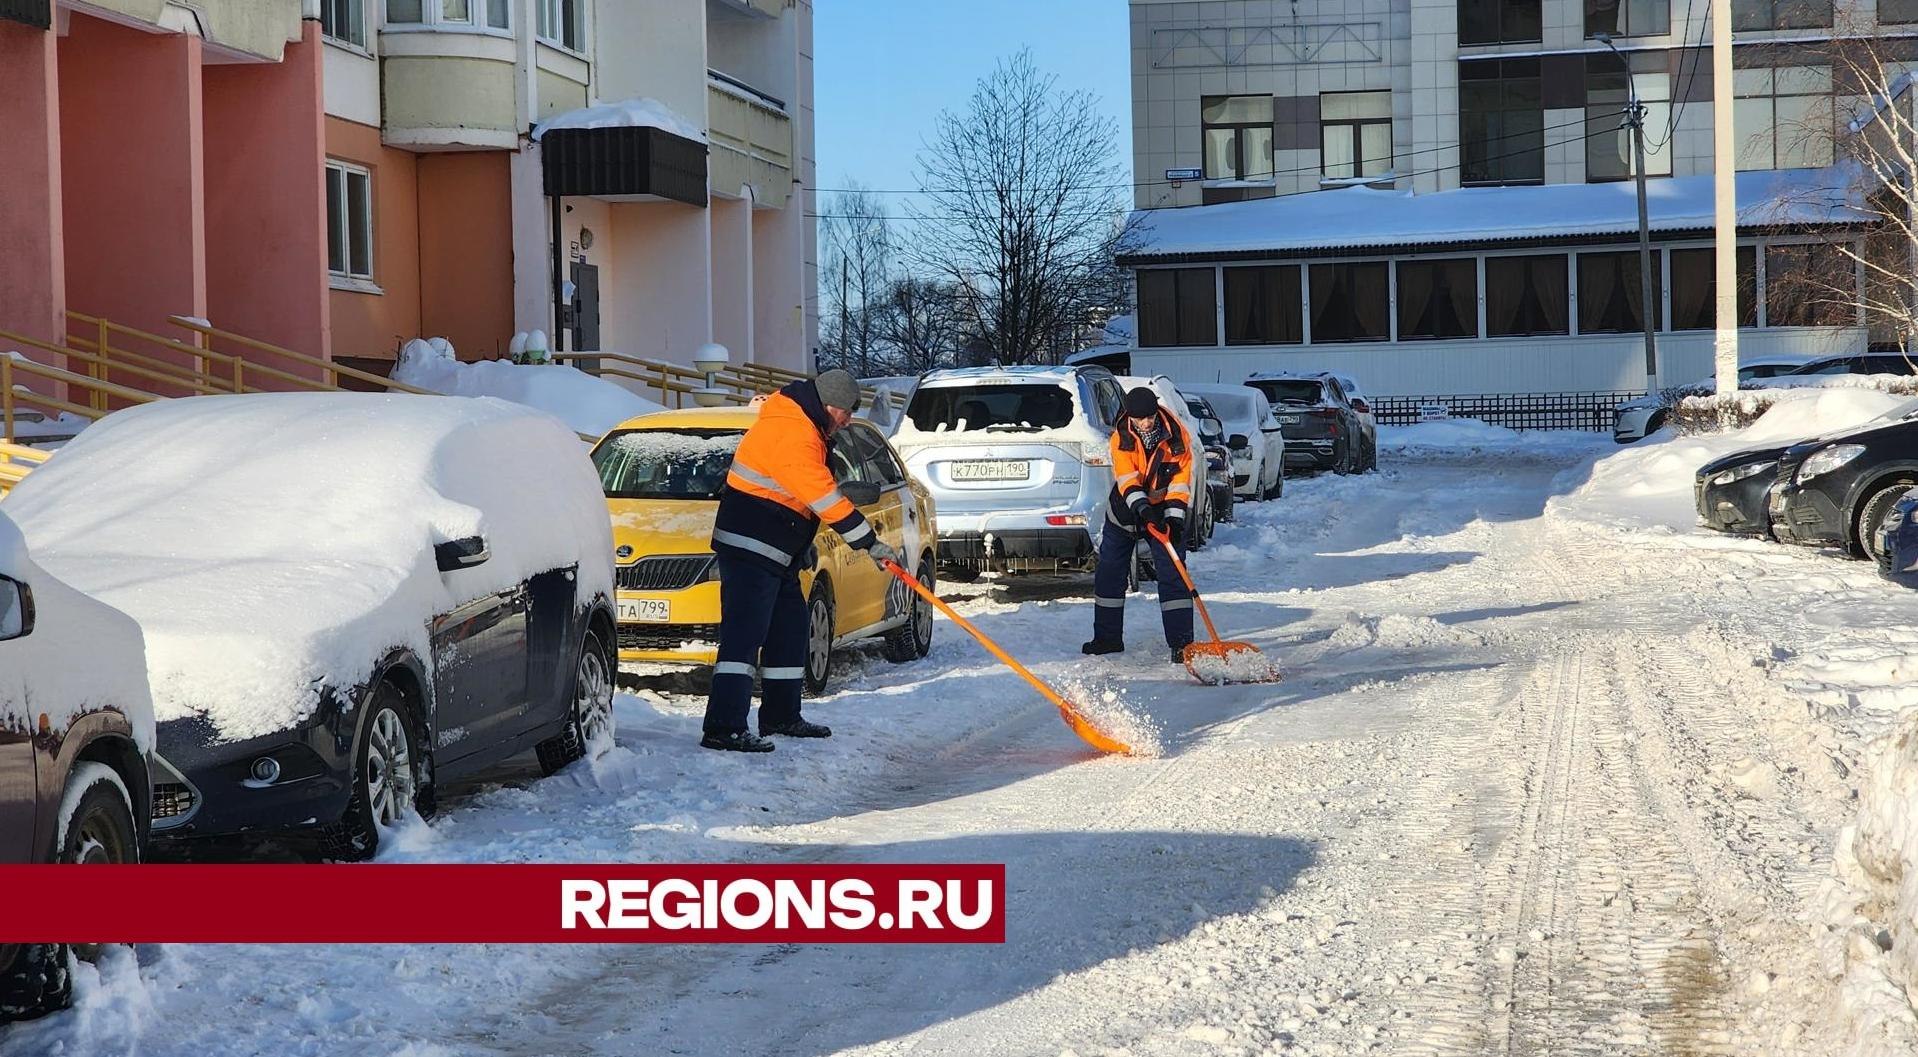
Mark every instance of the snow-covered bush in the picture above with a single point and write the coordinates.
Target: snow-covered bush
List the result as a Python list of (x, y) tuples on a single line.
[(589, 405), (1716, 413)]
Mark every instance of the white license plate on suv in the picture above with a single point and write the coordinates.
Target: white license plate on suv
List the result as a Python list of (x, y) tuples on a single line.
[(645, 611), (992, 470), (1289, 420)]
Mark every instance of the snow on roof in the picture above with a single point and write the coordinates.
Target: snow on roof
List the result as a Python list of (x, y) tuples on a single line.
[(587, 404), (961, 374), (642, 112), (1356, 217), (268, 544)]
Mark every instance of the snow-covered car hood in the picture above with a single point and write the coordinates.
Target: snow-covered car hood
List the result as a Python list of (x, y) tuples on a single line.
[(82, 654), (270, 545)]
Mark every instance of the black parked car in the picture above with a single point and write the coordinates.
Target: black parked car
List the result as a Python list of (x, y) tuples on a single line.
[(349, 601), (1855, 363), (1836, 491), (1898, 541), (1218, 456), (1323, 430), (1732, 492)]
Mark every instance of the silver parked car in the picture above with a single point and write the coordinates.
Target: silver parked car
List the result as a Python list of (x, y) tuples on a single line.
[(1255, 438), (1016, 459)]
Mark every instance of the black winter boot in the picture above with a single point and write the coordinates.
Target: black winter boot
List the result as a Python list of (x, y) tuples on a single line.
[(1098, 647), (798, 728), (735, 741)]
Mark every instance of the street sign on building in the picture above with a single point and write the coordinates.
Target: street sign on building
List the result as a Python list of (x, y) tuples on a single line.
[(1183, 174)]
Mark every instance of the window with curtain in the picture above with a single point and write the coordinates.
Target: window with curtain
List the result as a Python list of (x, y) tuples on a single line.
[(1610, 300), (1526, 296), (1628, 18), (1784, 117), (1238, 136), (1608, 148), (1177, 306), (1499, 22), (1781, 14), (560, 23), (490, 14), (1501, 122), (1262, 306), (1350, 302), (1438, 299), (1810, 285), (1695, 288), (1355, 134)]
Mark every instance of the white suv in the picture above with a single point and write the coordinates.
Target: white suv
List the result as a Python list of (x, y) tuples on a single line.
[(1017, 461)]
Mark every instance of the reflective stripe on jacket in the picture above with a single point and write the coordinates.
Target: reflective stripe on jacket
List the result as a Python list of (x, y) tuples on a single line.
[(1160, 475), (779, 487)]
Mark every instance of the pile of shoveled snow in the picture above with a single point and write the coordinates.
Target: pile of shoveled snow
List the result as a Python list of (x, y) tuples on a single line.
[(589, 405), (1471, 434)]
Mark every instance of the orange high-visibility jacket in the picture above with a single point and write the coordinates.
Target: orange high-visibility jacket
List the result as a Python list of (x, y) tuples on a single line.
[(1161, 475), (779, 487)]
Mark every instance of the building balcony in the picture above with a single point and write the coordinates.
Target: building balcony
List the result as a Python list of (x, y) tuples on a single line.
[(448, 90), (751, 137), (748, 8)]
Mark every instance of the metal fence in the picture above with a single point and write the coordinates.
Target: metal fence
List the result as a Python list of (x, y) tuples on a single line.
[(1586, 411)]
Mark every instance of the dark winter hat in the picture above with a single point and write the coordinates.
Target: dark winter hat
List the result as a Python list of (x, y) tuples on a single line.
[(1142, 403), (838, 389)]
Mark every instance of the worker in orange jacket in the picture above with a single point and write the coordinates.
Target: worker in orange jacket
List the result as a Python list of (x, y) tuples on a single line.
[(777, 492), (1152, 462)]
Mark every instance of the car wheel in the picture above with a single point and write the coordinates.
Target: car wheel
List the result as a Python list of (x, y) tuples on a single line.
[(819, 617), (386, 776), (1871, 516), (1654, 424), (590, 719), (1342, 459), (913, 639)]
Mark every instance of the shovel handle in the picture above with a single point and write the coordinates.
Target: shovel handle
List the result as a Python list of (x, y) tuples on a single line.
[(1159, 534), (913, 582)]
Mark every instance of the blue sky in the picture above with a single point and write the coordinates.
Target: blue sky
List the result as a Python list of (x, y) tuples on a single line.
[(884, 69)]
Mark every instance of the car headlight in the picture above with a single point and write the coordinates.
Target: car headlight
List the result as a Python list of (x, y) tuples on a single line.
[(1739, 473), (1825, 460)]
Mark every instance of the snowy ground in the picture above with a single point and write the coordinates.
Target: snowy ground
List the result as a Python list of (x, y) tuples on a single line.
[(1539, 779)]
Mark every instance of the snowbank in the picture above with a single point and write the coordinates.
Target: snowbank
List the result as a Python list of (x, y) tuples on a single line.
[(640, 112), (268, 544), (1471, 434), (82, 654), (587, 404)]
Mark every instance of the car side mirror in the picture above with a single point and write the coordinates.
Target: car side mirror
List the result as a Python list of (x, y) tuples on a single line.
[(461, 553), (862, 493), (16, 609), (1238, 440), (1212, 425)]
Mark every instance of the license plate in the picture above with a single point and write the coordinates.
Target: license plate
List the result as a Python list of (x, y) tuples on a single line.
[(1289, 420), (645, 610), (996, 470)]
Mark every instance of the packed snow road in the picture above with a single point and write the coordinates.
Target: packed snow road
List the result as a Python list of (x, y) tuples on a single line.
[(1527, 788)]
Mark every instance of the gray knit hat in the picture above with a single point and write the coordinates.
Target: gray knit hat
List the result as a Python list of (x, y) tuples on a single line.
[(838, 389)]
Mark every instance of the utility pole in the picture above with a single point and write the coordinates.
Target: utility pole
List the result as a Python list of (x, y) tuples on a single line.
[(1635, 118), (1724, 202)]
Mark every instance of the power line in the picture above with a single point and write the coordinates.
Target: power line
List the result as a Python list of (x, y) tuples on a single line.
[(1687, 81)]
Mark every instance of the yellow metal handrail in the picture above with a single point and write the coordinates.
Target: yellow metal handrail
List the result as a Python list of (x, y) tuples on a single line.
[(330, 370), (15, 461)]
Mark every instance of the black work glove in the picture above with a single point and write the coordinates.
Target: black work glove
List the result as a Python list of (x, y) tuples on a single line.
[(1153, 517)]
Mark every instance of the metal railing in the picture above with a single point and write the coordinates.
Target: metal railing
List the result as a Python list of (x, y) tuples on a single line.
[(1593, 411), (15, 461)]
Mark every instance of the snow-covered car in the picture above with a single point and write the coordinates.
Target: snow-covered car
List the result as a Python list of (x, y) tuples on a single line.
[(1017, 463), (1837, 490), (349, 600), (1643, 416), (1218, 457), (1198, 527), (1253, 435), (1733, 492), (1323, 429), (76, 726)]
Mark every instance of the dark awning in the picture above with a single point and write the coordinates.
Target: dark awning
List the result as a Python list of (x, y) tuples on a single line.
[(616, 162), (35, 13)]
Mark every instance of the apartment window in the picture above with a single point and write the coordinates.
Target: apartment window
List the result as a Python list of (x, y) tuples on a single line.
[(344, 21), (1177, 306), (1610, 297), (1810, 285), (1499, 22), (1892, 12), (1238, 136), (349, 221), (487, 14), (1781, 14), (1350, 302), (1608, 92), (1526, 296), (1783, 117), (1438, 299), (1628, 18), (1695, 288), (1355, 134), (1501, 122), (1262, 306), (560, 22)]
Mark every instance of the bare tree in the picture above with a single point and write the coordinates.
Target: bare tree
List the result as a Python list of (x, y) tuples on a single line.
[(855, 229), (923, 325), (1024, 211)]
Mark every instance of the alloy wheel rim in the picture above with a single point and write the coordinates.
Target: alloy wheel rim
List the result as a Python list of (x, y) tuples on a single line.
[(818, 637), (922, 615), (389, 768), (593, 704)]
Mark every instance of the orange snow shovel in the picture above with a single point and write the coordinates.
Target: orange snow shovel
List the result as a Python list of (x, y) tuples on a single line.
[(1217, 662), (1093, 736)]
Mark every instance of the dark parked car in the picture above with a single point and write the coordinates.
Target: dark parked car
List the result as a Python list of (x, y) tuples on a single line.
[(74, 739), (1733, 491), (1218, 457), (1847, 363), (1898, 541), (1836, 491), (1323, 430), (394, 593)]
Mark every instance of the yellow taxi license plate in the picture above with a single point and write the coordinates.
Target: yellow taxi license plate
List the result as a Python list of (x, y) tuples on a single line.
[(645, 611)]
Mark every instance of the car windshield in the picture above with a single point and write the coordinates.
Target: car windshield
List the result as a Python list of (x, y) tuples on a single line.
[(1824, 367), (1022, 408), (1301, 392), (665, 464)]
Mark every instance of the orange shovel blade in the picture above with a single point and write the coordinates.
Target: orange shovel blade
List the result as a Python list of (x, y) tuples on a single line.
[(1219, 662)]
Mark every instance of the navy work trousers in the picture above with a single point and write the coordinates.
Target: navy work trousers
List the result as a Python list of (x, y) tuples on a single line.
[(762, 628), (1116, 545)]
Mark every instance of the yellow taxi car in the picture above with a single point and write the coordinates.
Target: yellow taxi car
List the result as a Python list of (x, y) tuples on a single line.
[(662, 474)]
